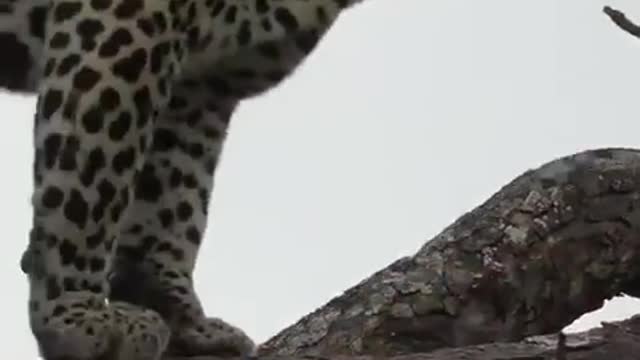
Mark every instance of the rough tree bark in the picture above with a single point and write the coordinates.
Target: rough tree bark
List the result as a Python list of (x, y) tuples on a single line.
[(550, 246), (547, 248)]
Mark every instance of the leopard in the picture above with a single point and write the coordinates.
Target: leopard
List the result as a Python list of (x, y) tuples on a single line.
[(133, 103)]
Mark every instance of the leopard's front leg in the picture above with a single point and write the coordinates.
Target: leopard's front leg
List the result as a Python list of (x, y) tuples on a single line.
[(108, 71)]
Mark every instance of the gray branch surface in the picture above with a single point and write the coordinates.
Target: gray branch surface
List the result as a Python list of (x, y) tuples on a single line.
[(550, 246)]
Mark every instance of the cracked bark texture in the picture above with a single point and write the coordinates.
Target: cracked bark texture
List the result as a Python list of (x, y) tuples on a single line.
[(550, 246)]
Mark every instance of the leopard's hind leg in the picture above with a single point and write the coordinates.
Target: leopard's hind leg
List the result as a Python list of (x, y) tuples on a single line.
[(163, 233), (161, 236), (108, 71)]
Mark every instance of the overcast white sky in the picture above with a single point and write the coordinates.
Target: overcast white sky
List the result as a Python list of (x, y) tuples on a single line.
[(410, 113)]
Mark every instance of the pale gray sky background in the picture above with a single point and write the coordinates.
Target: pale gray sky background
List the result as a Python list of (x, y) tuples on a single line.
[(410, 113)]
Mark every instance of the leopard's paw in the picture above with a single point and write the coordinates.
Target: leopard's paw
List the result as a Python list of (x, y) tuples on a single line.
[(82, 327), (211, 337)]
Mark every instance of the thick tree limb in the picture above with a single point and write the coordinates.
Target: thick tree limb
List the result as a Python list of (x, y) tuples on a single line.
[(548, 247)]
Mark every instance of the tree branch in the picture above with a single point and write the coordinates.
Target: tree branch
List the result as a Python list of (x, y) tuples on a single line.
[(620, 19), (548, 247)]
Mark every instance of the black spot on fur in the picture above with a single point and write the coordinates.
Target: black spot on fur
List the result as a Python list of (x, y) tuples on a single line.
[(146, 25), (128, 8), (69, 284), (190, 181), (116, 211), (68, 153), (119, 127), (119, 38), (53, 288), (196, 150), (166, 218), (94, 164), (107, 193), (86, 78), (52, 197), (109, 99), (175, 179), (59, 40), (142, 100), (184, 211), (164, 140), (130, 67), (37, 20), (96, 264), (307, 41), (160, 21), (244, 33), (68, 63), (124, 160), (94, 240), (158, 54), (88, 29), (50, 66), (52, 100), (59, 310), (149, 187), (269, 50), (231, 14), (76, 209), (284, 17), (193, 235), (52, 145), (262, 6), (67, 252), (101, 4), (93, 120), (66, 10), (80, 263)]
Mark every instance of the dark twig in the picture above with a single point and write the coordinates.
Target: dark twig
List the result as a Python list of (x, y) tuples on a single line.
[(620, 19)]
